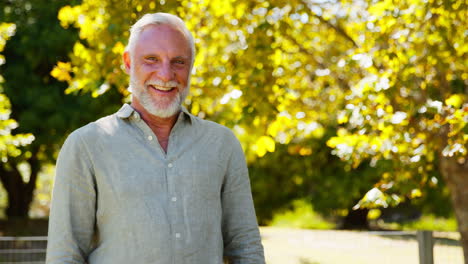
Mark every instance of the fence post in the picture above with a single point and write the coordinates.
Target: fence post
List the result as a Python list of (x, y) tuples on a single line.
[(426, 244)]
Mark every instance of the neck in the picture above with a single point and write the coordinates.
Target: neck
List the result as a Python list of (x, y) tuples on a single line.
[(160, 126)]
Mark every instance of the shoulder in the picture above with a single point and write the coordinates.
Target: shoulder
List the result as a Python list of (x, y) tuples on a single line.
[(90, 133), (104, 126), (218, 137), (213, 129)]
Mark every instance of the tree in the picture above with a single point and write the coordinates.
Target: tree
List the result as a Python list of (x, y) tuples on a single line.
[(307, 170), (265, 99), (259, 97), (279, 72), (9, 144), (38, 101), (410, 108)]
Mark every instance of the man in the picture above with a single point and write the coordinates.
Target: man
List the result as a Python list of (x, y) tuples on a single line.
[(153, 183)]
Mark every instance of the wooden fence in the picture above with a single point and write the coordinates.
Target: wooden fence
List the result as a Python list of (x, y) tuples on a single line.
[(32, 250)]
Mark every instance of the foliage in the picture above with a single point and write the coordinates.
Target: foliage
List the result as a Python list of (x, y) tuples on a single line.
[(426, 222), (391, 74), (38, 102), (306, 170), (410, 106), (282, 73), (301, 216), (284, 92), (269, 70), (431, 222), (40, 206), (9, 144), (37, 99)]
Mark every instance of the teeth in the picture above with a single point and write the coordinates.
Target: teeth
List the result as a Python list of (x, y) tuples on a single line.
[(162, 88)]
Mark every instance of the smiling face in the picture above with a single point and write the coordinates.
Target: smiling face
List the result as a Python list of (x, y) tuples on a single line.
[(159, 68)]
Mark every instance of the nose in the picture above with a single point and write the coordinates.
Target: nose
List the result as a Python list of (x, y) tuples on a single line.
[(165, 72)]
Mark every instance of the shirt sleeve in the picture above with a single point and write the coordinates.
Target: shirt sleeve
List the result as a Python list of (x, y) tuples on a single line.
[(72, 215), (242, 242)]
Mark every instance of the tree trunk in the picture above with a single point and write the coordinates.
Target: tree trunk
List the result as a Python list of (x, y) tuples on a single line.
[(456, 177), (20, 193), (356, 219)]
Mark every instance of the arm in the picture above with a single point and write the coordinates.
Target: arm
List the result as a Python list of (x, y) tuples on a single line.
[(242, 242), (72, 215)]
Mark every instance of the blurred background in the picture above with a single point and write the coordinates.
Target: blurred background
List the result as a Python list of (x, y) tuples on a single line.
[(352, 114)]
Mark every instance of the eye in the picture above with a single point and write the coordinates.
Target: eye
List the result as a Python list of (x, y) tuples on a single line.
[(151, 58), (179, 61)]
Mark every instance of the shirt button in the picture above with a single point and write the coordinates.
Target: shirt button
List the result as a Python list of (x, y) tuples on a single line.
[(177, 235), (169, 165), (136, 116), (174, 199), (150, 137)]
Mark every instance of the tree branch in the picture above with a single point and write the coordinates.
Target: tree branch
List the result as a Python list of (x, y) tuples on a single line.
[(337, 28), (341, 81), (4, 178)]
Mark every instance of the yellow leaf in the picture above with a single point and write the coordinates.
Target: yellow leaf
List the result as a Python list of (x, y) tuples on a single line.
[(381, 126), (118, 48), (386, 175), (333, 142), (65, 16), (274, 128), (415, 193), (264, 144), (389, 109), (402, 148), (318, 132), (342, 118), (305, 151), (378, 9), (195, 108), (373, 214), (277, 57), (61, 71), (381, 99), (69, 15), (342, 132), (455, 100)]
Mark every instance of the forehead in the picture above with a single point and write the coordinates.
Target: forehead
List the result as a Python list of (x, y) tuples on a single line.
[(162, 39)]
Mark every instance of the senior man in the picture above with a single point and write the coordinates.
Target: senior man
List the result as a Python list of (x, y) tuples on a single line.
[(153, 183)]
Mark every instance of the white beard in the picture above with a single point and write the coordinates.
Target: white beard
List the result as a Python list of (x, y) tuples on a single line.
[(159, 107)]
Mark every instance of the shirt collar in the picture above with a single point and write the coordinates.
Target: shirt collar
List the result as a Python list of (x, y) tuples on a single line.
[(127, 110)]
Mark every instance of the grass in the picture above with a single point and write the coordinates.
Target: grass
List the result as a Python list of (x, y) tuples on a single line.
[(426, 222), (301, 216), (430, 222)]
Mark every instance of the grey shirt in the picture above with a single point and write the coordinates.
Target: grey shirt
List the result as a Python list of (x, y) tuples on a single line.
[(119, 198)]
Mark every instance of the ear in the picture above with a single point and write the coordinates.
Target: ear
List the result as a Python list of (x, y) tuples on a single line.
[(126, 61)]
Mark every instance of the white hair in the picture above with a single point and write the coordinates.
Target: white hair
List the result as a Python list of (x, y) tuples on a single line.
[(160, 19)]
